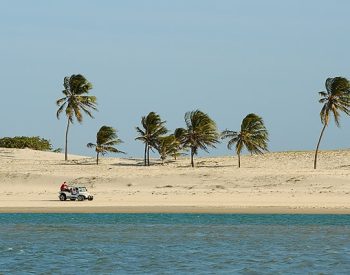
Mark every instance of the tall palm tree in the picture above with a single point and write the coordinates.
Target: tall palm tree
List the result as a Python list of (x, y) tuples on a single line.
[(75, 100), (335, 99), (253, 136), (201, 132), (106, 139), (153, 128)]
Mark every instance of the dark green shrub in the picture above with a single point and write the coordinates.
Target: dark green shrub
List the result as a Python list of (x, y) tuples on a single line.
[(35, 143)]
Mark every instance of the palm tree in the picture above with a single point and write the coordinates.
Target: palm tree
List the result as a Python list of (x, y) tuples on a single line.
[(200, 133), (166, 146), (153, 128), (75, 100), (106, 139), (178, 147), (335, 99), (253, 136)]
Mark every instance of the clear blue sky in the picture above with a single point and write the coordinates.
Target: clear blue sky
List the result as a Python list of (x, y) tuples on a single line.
[(226, 58)]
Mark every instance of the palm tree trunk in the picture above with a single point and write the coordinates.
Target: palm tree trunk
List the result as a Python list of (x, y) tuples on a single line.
[(239, 160), (145, 155), (97, 157), (66, 144), (148, 155), (318, 145), (192, 154)]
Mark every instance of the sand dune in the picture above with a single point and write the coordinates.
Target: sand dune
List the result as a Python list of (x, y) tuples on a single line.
[(270, 183)]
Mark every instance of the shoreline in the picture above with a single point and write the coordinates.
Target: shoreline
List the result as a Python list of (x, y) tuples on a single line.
[(174, 210)]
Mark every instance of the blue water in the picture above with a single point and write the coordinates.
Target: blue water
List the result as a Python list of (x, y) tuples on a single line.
[(174, 244)]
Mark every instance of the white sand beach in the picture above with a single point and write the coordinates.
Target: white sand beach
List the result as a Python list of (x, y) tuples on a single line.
[(283, 182)]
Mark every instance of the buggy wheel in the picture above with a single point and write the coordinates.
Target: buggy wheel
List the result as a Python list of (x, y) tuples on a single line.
[(81, 198), (63, 197)]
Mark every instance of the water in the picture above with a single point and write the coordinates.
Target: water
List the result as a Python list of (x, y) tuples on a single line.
[(174, 244)]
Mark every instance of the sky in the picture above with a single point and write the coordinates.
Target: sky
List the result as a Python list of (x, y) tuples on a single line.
[(226, 58)]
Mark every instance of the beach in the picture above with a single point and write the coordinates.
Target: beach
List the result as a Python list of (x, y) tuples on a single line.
[(281, 182)]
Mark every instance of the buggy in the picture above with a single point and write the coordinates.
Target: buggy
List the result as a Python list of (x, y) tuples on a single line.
[(79, 193)]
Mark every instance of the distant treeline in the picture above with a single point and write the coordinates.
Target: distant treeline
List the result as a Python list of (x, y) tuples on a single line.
[(35, 143)]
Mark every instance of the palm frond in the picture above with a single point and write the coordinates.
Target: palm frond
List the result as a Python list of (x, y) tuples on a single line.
[(60, 110), (60, 101), (228, 134)]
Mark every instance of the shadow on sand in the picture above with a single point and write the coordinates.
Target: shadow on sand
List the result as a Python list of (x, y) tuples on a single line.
[(137, 162)]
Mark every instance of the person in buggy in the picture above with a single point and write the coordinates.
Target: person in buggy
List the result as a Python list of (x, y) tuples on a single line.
[(65, 187), (74, 190)]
